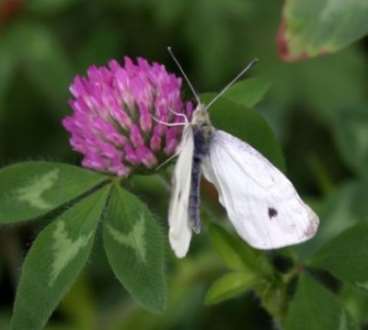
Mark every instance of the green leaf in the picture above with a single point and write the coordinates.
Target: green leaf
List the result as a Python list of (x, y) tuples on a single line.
[(355, 300), (134, 246), (248, 92), (247, 125), (314, 27), (346, 256), (55, 260), (236, 254), (32, 189), (228, 286), (314, 308), (340, 210), (351, 136)]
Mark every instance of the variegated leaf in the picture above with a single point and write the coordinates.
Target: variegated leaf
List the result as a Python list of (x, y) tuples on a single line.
[(31, 189), (54, 261), (134, 245)]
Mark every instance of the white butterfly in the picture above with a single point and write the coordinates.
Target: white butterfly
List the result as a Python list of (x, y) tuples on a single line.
[(260, 201)]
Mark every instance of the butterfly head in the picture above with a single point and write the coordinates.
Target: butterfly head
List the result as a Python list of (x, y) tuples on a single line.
[(201, 120), (200, 116)]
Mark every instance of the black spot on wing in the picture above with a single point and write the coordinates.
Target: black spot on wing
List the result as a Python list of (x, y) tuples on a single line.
[(272, 212)]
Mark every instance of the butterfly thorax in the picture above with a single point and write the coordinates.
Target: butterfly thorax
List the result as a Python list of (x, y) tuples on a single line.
[(202, 134)]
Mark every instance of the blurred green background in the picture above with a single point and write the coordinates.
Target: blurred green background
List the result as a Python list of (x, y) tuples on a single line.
[(318, 109)]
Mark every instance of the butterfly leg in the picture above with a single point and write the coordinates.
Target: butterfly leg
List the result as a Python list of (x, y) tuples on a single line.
[(166, 161), (186, 121)]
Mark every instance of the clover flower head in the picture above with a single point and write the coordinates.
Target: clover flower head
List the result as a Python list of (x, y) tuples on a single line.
[(114, 109)]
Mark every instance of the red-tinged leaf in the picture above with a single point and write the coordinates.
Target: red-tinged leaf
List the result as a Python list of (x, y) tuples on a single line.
[(312, 28), (283, 45)]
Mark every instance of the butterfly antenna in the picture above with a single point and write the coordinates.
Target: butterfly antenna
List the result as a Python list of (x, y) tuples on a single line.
[(225, 89), (184, 75)]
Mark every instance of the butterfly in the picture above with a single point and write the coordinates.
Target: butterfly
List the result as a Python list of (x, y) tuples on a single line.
[(260, 201)]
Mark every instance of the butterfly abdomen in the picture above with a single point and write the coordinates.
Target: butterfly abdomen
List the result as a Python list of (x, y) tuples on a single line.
[(201, 139)]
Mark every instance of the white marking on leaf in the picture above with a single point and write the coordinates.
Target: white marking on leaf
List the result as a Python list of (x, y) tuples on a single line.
[(65, 250), (32, 193), (134, 239)]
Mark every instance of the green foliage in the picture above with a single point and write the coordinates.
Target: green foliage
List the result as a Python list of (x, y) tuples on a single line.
[(248, 92), (31, 189), (55, 260), (7, 65), (39, 54), (351, 137), (228, 286), (84, 317), (355, 301), (134, 246), (49, 7), (346, 256), (316, 27), (341, 209), (314, 307), (236, 254)]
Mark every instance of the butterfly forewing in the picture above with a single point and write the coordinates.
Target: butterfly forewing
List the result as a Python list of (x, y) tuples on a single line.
[(260, 201), (180, 232)]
